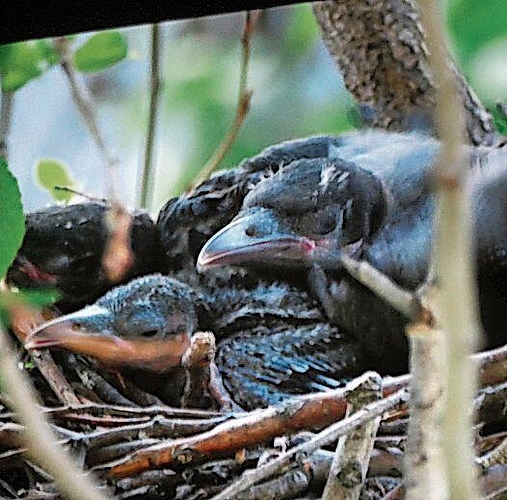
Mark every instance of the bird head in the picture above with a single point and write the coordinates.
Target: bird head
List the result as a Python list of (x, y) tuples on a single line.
[(305, 214), (144, 324)]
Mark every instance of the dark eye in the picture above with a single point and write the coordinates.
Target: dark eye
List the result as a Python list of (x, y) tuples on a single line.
[(326, 223), (148, 334)]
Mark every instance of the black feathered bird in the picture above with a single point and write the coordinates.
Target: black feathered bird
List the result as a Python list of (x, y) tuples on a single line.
[(366, 194), (63, 248), (273, 341)]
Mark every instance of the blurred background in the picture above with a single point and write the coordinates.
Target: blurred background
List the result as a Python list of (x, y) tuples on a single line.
[(297, 91)]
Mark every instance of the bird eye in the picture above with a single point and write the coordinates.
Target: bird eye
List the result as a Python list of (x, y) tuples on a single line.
[(326, 222), (148, 334)]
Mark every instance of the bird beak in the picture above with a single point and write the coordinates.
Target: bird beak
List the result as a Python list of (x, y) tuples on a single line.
[(69, 332), (256, 238), (259, 239)]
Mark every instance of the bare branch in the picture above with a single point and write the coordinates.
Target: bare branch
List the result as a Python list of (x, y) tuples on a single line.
[(456, 291), (89, 197), (325, 437), (23, 319), (242, 108), (86, 107), (352, 456), (384, 287), (196, 361), (155, 85), (5, 120), (118, 256), (424, 457)]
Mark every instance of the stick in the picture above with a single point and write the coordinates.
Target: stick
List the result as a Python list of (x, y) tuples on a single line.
[(5, 120), (352, 456), (384, 287), (242, 108), (40, 440), (310, 412), (23, 319), (424, 457), (326, 437), (118, 256), (456, 300), (155, 84), (196, 361)]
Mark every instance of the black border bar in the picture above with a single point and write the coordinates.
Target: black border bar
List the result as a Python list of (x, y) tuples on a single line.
[(31, 19)]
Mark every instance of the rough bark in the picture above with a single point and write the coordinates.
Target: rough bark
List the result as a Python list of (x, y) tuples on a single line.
[(379, 46)]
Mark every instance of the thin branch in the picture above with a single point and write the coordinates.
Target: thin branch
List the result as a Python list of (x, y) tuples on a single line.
[(324, 438), (87, 108), (379, 46), (242, 108), (23, 319), (118, 256), (456, 299), (353, 452), (89, 197), (155, 84), (40, 440), (309, 412), (5, 120), (424, 457), (196, 361), (384, 287)]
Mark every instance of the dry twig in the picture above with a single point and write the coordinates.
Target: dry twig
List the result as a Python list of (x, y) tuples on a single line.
[(384, 287), (325, 437), (197, 361), (87, 196), (380, 48), (23, 320), (314, 411), (5, 120), (352, 456), (118, 256), (456, 292), (155, 84), (242, 108), (39, 439)]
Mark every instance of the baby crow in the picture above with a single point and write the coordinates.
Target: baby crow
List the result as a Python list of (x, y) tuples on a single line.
[(367, 195), (273, 341), (63, 249)]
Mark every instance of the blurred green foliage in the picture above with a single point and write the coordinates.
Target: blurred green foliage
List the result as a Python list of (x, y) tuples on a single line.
[(100, 51), (295, 90), (21, 62), (473, 24), (476, 27), (288, 101)]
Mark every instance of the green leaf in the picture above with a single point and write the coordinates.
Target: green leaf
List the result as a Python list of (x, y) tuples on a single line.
[(23, 61), (12, 219), (101, 51), (51, 173)]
